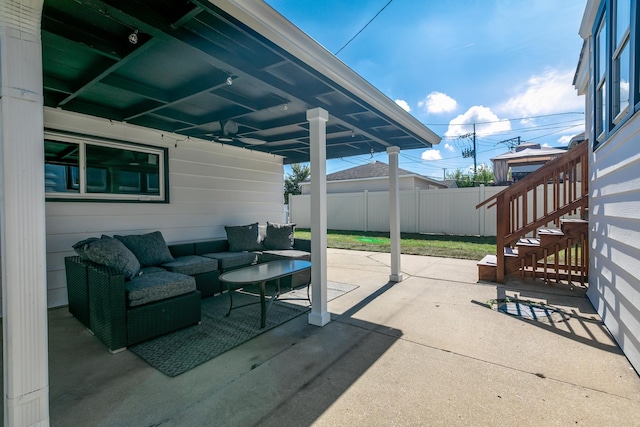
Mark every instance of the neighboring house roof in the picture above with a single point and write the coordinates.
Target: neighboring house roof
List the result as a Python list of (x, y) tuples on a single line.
[(530, 155), (377, 169), (527, 153)]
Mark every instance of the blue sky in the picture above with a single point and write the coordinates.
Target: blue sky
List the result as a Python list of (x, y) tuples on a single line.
[(506, 65)]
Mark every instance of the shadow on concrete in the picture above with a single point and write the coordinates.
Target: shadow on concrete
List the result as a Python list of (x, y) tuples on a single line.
[(574, 317), (363, 343)]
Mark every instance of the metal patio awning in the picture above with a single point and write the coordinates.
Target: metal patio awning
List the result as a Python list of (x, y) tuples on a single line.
[(233, 72)]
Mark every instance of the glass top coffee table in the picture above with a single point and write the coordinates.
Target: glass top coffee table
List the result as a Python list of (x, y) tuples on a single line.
[(260, 274)]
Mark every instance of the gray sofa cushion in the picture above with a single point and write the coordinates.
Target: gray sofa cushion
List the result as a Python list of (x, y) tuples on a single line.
[(150, 249), (284, 254), (158, 286), (191, 264), (79, 246), (243, 238), (279, 236), (112, 253), (151, 269), (228, 260)]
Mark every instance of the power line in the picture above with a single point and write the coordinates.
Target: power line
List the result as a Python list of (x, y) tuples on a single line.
[(504, 120), (362, 29)]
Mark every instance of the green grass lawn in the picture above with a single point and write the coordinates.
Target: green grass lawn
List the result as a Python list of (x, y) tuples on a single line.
[(465, 247)]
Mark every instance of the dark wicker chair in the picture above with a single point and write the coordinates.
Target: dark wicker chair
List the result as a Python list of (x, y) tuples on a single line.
[(100, 291)]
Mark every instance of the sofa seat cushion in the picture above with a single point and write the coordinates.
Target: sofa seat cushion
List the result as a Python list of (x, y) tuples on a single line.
[(152, 287), (229, 260), (152, 269), (284, 254), (191, 264)]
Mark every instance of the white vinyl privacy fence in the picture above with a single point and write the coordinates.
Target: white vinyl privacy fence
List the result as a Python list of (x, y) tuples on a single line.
[(443, 211)]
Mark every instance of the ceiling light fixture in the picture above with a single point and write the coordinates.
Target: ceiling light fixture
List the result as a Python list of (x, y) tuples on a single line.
[(285, 107), (229, 81), (133, 37)]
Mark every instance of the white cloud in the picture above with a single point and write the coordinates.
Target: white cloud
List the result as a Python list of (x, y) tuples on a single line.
[(431, 155), (405, 106), (438, 103), (565, 139), (549, 93), (449, 147), (489, 123)]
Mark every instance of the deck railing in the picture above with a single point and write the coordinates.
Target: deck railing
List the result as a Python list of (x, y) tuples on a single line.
[(557, 189)]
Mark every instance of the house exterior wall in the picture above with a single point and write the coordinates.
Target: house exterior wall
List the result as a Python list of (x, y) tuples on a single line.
[(210, 186), (614, 220), (614, 206)]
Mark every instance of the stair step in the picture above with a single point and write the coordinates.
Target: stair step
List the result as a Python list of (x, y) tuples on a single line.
[(534, 243), (574, 221), (487, 268), (489, 260), (510, 252), (550, 232)]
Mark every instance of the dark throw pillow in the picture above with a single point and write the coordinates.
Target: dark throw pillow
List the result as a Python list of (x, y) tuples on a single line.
[(279, 236), (243, 238), (112, 253), (79, 246), (150, 249)]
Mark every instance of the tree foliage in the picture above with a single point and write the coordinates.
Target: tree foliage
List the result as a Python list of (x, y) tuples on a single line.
[(292, 181), (484, 175)]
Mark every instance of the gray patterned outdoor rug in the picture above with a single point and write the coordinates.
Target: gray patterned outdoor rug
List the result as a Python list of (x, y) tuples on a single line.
[(180, 351)]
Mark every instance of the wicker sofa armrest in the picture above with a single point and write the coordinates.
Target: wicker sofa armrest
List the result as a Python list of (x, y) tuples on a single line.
[(107, 306), (78, 289), (302, 245)]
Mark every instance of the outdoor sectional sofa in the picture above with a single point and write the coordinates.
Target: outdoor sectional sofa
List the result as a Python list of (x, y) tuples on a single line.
[(128, 289)]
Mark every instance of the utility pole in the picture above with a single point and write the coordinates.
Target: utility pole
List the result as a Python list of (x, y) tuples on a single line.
[(444, 173), (469, 153), (475, 155)]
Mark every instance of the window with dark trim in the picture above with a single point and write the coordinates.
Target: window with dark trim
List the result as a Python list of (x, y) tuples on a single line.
[(615, 62), (84, 168)]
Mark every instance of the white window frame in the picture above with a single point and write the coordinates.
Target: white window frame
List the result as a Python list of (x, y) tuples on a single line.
[(83, 195)]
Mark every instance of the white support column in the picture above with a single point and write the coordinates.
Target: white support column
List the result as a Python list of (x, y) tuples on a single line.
[(394, 214), (22, 216), (318, 118)]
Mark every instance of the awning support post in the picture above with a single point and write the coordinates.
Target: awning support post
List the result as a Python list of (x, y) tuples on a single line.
[(317, 118), (394, 214), (22, 216)]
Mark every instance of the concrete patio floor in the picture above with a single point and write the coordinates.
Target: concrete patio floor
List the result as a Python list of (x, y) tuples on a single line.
[(425, 351)]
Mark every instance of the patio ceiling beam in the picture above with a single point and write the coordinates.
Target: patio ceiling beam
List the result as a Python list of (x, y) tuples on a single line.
[(70, 35), (207, 86), (141, 89), (265, 22), (159, 29), (97, 78)]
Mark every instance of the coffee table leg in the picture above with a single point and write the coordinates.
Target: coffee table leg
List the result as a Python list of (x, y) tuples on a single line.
[(230, 299), (263, 305)]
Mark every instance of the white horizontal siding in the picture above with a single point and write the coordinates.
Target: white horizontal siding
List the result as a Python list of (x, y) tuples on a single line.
[(614, 277), (211, 186)]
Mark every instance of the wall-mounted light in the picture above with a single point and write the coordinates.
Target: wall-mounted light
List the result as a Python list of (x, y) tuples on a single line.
[(133, 37), (285, 107), (229, 81)]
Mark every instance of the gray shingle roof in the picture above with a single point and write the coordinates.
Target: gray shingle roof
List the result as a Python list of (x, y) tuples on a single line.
[(370, 170)]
